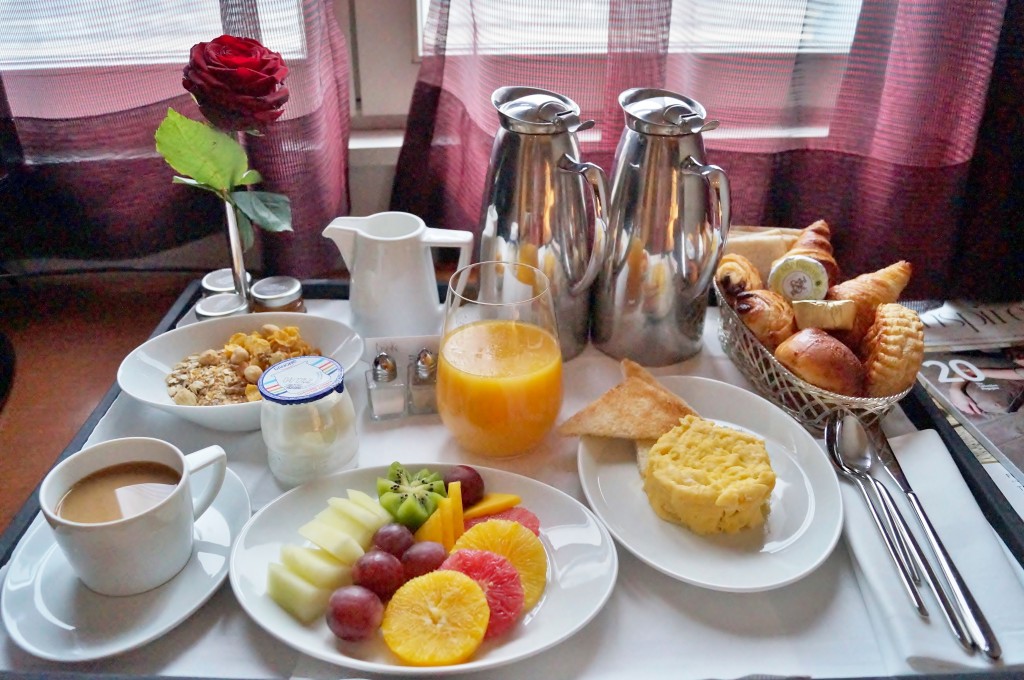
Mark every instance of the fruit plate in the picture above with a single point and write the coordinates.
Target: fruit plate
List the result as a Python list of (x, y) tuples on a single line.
[(802, 526), (582, 567)]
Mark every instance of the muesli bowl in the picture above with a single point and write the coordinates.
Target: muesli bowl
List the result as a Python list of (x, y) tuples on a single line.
[(807, 404), (142, 375)]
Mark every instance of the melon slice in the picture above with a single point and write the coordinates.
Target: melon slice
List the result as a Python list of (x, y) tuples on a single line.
[(295, 595), (339, 544), (317, 566)]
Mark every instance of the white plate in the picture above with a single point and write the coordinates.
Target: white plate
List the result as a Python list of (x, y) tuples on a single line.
[(582, 566), (50, 614), (141, 374), (803, 525)]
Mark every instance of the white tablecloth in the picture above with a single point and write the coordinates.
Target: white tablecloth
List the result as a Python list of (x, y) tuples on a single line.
[(653, 626)]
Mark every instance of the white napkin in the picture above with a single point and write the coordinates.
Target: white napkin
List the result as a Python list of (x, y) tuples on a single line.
[(927, 645)]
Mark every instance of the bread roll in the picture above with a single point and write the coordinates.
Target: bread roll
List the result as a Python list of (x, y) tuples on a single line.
[(892, 350), (868, 291), (736, 274), (768, 316), (820, 359)]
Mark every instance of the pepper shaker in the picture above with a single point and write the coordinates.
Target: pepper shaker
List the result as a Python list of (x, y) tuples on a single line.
[(422, 381), (385, 391)]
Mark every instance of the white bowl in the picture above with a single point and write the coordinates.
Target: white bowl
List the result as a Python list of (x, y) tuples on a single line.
[(142, 373)]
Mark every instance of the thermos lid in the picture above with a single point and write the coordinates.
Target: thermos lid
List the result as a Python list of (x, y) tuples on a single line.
[(660, 112), (533, 111)]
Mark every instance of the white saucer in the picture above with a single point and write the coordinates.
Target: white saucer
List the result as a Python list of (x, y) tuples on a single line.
[(49, 613)]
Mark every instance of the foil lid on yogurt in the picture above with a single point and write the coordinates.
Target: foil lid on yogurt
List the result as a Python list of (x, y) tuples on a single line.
[(301, 379)]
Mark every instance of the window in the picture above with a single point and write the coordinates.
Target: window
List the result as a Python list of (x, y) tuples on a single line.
[(86, 33)]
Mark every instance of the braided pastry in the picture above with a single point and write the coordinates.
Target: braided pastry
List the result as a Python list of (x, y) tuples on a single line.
[(768, 316), (892, 350), (736, 274)]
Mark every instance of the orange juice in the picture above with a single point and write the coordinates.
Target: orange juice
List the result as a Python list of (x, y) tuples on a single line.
[(499, 385)]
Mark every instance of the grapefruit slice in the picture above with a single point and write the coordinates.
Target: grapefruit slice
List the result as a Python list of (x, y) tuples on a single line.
[(516, 514), (499, 581), (517, 544)]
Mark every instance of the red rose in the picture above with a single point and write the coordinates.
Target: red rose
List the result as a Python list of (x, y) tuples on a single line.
[(237, 82)]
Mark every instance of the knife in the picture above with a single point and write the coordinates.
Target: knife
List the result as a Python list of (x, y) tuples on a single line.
[(975, 621)]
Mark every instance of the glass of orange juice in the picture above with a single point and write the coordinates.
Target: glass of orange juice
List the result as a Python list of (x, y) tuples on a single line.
[(499, 373)]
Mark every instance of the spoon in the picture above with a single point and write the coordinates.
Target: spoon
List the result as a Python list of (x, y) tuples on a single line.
[(832, 444), (856, 453)]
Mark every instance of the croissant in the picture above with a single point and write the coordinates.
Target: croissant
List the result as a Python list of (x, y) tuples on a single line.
[(768, 316), (815, 242), (736, 274), (868, 291), (892, 350)]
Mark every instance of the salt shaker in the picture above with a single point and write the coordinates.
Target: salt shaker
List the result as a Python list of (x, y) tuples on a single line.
[(422, 383), (385, 391), (307, 418)]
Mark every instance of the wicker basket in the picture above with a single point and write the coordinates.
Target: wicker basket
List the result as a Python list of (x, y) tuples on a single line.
[(808, 404)]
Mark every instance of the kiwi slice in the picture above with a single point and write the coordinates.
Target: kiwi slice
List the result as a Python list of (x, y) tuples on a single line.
[(410, 498)]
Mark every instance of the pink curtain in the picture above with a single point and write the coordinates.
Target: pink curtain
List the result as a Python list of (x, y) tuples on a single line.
[(879, 139), (85, 181)]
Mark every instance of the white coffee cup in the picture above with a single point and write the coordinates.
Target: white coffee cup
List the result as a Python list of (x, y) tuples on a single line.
[(137, 553)]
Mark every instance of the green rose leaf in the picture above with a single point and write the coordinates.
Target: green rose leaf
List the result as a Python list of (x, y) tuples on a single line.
[(244, 230), (197, 150), (271, 211), (192, 183), (250, 177)]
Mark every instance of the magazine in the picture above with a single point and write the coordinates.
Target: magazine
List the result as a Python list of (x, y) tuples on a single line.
[(959, 325), (984, 390)]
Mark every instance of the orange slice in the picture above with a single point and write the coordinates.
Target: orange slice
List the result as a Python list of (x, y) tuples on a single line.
[(519, 546), (436, 619)]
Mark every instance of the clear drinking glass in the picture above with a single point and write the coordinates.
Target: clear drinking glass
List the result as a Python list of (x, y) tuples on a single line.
[(499, 373)]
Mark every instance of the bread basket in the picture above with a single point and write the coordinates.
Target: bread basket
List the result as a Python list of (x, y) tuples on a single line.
[(808, 404)]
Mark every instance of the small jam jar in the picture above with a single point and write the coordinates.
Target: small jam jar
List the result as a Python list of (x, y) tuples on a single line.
[(221, 304), (277, 294), (307, 419), (221, 281)]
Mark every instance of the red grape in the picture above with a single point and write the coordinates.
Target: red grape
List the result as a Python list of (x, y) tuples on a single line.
[(393, 538), (354, 613), (472, 483), (380, 572), (423, 557)]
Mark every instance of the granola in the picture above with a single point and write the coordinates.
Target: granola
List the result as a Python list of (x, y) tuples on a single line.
[(229, 375)]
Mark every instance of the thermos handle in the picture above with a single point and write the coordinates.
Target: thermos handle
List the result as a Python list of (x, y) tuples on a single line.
[(721, 214), (596, 180)]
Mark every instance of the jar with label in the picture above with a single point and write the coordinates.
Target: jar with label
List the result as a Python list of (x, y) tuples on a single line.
[(277, 294), (307, 418)]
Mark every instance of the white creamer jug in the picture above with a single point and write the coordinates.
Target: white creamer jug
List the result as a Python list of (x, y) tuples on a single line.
[(393, 287)]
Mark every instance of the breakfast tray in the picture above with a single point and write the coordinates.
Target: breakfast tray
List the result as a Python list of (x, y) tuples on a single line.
[(918, 407)]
